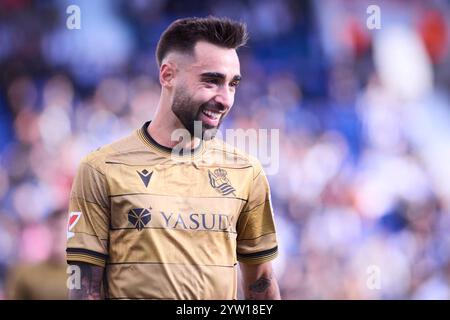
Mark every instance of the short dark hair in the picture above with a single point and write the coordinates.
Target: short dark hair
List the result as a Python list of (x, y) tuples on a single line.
[(183, 34)]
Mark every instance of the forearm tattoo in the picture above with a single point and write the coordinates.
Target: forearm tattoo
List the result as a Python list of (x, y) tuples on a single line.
[(259, 288), (260, 285)]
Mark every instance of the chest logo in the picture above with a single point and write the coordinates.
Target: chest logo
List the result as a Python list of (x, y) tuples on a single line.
[(145, 176), (220, 182), (139, 217)]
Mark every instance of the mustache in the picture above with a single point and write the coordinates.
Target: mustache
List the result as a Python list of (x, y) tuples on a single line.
[(212, 105)]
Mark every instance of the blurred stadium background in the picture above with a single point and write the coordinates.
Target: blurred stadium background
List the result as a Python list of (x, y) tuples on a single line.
[(363, 188)]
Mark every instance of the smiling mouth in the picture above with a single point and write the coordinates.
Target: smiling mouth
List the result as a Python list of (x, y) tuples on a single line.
[(211, 114)]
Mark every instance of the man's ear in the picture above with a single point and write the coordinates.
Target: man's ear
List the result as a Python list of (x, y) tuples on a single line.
[(167, 73)]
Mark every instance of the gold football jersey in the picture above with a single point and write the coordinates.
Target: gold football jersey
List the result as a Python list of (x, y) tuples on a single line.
[(169, 226)]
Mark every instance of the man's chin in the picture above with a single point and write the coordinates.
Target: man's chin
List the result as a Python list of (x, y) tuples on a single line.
[(207, 131)]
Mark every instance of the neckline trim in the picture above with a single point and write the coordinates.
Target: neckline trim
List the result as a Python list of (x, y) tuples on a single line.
[(148, 139)]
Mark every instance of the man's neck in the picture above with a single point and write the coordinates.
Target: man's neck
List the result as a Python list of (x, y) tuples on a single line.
[(162, 127)]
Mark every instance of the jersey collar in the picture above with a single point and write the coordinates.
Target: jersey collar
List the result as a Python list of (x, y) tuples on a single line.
[(152, 143)]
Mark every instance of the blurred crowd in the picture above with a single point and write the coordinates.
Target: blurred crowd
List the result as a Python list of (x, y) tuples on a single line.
[(362, 194)]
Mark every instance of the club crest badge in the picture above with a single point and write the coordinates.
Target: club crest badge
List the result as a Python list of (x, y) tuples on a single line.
[(220, 182)]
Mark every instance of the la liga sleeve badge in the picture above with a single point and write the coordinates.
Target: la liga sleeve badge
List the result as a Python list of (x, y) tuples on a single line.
[(74, 217)]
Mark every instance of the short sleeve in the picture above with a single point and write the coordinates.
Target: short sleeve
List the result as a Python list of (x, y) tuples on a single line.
[(89, 217), (256, 238)]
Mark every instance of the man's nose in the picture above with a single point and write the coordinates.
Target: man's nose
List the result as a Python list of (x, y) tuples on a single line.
[(225, 97)]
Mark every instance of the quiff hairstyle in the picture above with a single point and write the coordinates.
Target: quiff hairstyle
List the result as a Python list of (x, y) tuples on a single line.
[(183, 34)]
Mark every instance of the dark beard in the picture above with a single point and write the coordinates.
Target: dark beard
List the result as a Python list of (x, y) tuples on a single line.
[(188, 111)]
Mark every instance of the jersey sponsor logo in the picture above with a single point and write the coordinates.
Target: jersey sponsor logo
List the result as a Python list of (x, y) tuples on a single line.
[(139, 217), (220, 182), (198, 221), (74, 217), (145, 176)]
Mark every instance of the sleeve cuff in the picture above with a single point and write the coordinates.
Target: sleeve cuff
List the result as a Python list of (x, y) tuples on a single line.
[(258, 257), (87, 256)]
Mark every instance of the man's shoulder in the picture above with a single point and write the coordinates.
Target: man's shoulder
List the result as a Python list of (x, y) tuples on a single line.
[(123, 146)]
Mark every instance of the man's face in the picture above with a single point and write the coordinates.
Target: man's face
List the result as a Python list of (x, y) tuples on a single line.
[(205, 87)]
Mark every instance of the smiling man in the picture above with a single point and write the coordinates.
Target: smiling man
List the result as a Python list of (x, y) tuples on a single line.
[(156, 218)]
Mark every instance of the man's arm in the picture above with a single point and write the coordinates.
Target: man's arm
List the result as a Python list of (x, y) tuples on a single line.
[(259, 282), (91, 282)]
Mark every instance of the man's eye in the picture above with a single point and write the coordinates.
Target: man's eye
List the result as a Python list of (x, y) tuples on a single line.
[(212, 81), (234, 83)]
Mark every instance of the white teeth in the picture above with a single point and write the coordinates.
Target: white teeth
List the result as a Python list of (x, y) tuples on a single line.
[(211, 114)]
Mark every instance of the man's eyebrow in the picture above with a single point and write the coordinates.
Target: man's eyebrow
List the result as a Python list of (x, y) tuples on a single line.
[(218, 75), (213, 75)]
